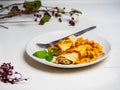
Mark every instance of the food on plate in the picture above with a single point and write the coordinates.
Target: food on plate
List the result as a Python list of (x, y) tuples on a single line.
[(63, 45), (76, 50), (71, 50)]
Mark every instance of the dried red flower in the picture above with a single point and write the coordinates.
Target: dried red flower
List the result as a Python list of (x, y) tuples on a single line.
[(72, 22), (8, 76), (59, 19)]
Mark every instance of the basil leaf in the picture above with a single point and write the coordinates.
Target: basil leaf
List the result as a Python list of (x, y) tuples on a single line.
[(45, 18), (43, 54), (53, 51), (40, 54), (49, 57)]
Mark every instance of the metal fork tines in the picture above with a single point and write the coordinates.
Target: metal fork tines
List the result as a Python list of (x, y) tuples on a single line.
[(48, 44), (76, 34), (43, 45)]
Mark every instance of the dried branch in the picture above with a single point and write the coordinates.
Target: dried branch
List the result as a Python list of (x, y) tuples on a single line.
[(7, 7), (15, 22), (34, 7), (4, 26)]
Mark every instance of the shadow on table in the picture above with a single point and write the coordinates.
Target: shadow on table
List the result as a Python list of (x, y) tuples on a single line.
[(56, 70)]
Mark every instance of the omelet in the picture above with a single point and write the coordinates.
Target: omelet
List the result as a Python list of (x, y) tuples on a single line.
[(76, 50), (63, 45), (72, 55)]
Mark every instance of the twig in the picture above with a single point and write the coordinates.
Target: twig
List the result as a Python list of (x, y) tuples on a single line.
[(15, 22), (4, 26), (7, 15), (11, 5), (48, 7), (52, 11)]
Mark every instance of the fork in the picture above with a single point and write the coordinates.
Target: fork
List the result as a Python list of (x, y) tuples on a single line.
[(42, 45)]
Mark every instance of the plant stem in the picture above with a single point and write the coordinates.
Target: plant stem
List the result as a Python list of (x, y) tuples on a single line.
[(7, 15), (15, 22), (48, 7), (10, 6), (4, 26)]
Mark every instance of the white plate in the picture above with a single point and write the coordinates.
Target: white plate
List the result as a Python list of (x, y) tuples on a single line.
[(51, 36)]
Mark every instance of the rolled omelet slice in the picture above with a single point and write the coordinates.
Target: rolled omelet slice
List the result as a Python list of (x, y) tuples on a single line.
[(73, 55), (79, 55), (68, 58), (63, 45)]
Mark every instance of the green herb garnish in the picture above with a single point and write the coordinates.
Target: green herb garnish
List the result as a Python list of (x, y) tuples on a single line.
[(49, 57), (53, 51), (40, 54), (43, 54)]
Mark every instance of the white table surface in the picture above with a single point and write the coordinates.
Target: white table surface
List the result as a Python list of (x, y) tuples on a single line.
[(105, 14)]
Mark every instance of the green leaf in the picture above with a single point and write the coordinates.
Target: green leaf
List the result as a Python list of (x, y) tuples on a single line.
[(43, 54), (31, 6), (53, 51), (40, 54), (45, 18), (14, 10), (49, 57), (59, 10), (76, 11)]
